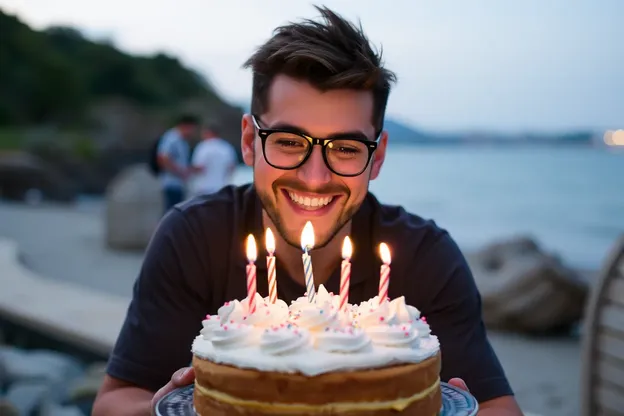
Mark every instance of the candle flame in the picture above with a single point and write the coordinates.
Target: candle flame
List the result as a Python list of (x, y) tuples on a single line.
[(384, 251), (252, 251), (307, 236), (269, 241), (347, 248)]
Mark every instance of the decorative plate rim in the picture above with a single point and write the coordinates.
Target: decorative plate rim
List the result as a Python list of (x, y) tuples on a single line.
[(447, 389)]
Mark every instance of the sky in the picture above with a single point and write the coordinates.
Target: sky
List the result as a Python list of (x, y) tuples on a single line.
[(502, 65)]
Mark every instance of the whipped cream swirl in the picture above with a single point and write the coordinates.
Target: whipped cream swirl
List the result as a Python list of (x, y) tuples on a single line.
[(404, 313), (209, 324), (265, 315), (370, 315), (395, 335), (284, 339), (345, 340), (232, 336), (315, 317), (422, 327)]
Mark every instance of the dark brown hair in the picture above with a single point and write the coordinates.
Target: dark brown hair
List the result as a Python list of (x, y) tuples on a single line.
[(332, 54)]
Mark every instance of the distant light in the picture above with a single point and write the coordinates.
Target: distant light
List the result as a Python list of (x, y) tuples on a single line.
[(618, 138), (614, 138)]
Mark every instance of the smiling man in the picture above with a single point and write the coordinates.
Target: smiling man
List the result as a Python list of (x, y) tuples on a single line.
[(315, 139)]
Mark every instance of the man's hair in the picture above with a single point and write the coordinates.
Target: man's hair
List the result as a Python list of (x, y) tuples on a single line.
[(213, 126), (333, 54), (187, 119)]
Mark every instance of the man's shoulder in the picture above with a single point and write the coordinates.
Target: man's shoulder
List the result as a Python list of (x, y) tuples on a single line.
[(408, 229), (228, 199)]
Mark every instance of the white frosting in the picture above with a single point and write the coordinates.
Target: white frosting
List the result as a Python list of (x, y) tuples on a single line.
[(345, 340), (315, 338), (284, 339)]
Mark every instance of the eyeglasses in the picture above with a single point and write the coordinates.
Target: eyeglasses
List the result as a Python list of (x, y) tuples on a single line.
[(286, 149)]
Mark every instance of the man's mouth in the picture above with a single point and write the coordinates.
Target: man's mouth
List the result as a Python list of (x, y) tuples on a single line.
[(309, 203)]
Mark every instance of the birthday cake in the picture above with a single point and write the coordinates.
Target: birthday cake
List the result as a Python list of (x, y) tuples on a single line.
[(315, 358)]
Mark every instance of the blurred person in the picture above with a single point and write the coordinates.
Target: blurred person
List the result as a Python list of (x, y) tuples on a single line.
[(214, 160), (173, 158), (315, 140)]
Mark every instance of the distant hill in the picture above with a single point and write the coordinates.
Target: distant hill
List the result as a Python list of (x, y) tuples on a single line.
[(89, 109), (58, 77)]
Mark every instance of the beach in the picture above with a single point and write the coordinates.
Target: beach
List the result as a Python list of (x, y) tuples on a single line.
[(66, 243)]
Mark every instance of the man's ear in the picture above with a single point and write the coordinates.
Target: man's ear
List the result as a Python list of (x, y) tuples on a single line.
[(248, 134), (379, 156)]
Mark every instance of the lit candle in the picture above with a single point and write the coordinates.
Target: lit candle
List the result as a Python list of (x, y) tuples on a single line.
[(307, 243), (270, 246), (384, 276), (252, 253), (345, 273)]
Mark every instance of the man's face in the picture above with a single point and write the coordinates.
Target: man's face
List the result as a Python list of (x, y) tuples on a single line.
[(187, 130), (311, 192)]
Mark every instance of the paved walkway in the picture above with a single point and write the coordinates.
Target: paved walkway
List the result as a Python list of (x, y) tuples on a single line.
[(67, 244), (80, 316)]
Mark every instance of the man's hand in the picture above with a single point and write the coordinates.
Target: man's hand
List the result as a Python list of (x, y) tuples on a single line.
[(459, 383), (501, 406), (182, 377)]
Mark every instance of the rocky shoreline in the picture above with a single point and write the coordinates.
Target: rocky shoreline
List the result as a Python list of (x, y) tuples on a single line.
[(44, 382)]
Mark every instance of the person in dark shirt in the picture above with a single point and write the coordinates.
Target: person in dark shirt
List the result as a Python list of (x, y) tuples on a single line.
[(314, 139)]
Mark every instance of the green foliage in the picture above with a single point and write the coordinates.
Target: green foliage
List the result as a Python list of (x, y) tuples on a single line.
[(54, 76)]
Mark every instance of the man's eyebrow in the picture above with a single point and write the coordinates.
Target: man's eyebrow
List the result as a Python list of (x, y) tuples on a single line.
[(353, 134)]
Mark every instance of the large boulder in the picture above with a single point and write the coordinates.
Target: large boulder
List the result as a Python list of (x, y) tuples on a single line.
[(25, 177), (526, 289), (134, 205)]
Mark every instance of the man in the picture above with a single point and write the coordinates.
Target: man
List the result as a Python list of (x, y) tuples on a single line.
[(215, 159), (315, 140), (173, 158)]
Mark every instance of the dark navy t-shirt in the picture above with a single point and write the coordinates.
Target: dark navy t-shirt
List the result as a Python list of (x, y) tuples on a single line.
[(196, 261)]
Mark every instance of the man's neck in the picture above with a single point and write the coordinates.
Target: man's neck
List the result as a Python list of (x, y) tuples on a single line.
[(324, 260)]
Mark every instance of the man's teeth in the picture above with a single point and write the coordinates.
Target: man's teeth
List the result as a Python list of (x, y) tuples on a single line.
[(307, 202)]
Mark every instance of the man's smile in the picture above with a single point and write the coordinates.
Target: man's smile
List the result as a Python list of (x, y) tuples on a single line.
[(310, 203)]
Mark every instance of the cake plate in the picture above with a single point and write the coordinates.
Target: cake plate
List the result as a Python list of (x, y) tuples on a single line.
[(455, 402)]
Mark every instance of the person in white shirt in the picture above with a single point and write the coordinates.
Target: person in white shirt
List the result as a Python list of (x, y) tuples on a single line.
[(215, 160)]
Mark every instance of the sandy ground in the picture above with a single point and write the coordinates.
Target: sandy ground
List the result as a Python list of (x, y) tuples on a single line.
[(67, 243)]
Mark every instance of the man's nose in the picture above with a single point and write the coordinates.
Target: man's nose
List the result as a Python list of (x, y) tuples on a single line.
[(314, 171)]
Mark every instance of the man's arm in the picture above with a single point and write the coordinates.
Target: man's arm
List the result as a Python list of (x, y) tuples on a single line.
[(454, 315), (501, 406), (163, 157), (165, 314), (115, 395)]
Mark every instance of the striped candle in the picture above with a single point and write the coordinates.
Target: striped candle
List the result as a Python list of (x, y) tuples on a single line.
[(307, 243), (270, 246), (384, 275), (345, 273), (252, 253)]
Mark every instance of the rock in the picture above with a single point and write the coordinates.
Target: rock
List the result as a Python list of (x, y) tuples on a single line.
[(134, 206), (49, 368), (25, 177), (27, 396), (87, 386), (7, 408), (54, 409), (525, 289)]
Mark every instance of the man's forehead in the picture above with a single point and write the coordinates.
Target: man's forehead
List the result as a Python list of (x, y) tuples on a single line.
[(299, 104)]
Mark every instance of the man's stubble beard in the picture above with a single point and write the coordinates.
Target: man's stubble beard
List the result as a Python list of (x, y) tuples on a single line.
[(295, 240)]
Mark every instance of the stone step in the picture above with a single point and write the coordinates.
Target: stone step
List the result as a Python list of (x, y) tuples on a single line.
[(80, 316)]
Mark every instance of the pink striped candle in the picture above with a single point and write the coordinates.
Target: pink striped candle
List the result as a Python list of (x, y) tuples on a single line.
[(384, 276), (270, 246), (345, 273), (252, 253)]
